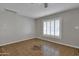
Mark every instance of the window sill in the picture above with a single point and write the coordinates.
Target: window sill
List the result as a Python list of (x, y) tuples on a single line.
[(51, 36)]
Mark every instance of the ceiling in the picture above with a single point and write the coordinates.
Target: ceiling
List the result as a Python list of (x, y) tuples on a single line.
[(36, 10)]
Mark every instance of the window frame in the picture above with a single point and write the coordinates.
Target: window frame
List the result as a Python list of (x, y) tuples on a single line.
[(60, 29)]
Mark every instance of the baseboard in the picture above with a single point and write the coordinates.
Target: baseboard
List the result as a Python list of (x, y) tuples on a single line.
[(61, 43), (12, 42), (29, 38)]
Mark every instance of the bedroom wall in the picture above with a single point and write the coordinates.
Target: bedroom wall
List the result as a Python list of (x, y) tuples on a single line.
[(14, 28), (70, 20)]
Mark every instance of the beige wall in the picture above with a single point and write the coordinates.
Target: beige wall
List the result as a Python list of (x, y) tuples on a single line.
[(70, 35)]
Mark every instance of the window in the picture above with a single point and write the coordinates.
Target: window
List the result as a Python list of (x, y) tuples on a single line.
[(51, 27)]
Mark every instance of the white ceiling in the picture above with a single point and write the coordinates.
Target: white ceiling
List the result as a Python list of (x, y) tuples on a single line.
[(36, 10)]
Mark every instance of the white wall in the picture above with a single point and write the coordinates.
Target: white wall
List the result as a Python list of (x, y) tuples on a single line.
[(70, 35), (14, 28)]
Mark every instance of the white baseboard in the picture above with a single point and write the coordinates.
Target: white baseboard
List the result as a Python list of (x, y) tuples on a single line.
[(22, 39), (59, 43), (31, 37)]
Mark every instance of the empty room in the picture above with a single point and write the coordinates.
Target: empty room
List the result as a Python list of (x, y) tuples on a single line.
[(39, 29)]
